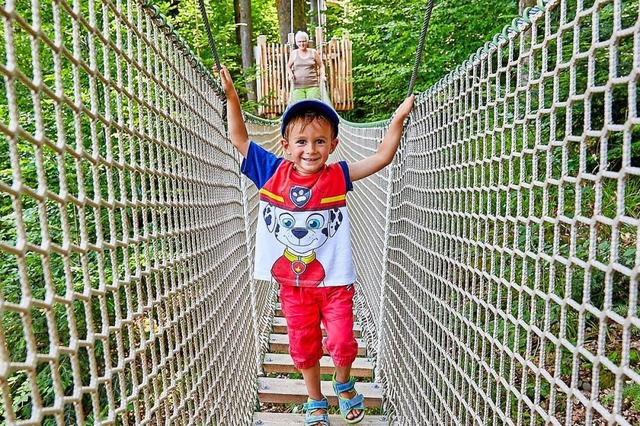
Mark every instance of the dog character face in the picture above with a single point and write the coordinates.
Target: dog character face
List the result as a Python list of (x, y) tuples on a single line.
[(302, 232)]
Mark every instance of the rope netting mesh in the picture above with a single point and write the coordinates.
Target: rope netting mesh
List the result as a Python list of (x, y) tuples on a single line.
[(497, 257), (126, 293), (510, 287)]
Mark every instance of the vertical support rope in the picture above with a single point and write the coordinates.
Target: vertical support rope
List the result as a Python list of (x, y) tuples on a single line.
[(212, 45), (416, 65)]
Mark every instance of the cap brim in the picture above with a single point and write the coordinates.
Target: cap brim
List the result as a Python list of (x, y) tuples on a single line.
[(310, 105)]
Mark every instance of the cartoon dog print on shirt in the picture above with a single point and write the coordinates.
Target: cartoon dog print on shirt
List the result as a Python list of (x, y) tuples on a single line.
[(302, 232)]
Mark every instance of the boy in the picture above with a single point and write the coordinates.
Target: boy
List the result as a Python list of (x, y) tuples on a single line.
[(303, 237)]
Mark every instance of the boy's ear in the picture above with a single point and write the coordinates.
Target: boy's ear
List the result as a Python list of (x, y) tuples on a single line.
[(285, 145), (334, 144)]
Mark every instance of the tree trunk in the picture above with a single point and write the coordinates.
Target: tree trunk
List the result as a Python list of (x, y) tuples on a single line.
[(244, 34), (284, 17)]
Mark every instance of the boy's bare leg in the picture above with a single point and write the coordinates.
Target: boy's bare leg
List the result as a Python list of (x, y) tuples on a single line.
[(312, 380), (311, 377), (343, 374)]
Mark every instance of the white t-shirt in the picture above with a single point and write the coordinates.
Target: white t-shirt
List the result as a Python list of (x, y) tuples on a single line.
[(303, 236)]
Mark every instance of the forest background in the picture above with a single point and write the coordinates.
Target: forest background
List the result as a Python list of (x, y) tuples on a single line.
[(385, 36)]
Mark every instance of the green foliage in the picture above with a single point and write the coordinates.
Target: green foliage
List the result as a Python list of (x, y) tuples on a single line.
[(631, 392), (385, 38), (188, 23)]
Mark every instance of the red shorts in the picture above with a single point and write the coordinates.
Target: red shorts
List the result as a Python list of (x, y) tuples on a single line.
[(304, 308)]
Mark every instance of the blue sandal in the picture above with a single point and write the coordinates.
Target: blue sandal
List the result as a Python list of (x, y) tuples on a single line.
[(312, 405), (346, 404)]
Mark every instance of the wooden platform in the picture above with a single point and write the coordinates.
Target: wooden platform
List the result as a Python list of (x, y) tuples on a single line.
[(282, 363), (281, 419), (284, 391)]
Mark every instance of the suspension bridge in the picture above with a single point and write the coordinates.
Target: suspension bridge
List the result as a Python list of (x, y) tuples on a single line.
[(497, 257)]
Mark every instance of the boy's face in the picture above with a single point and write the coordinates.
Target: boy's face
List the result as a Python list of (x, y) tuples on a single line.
[(309, 145)]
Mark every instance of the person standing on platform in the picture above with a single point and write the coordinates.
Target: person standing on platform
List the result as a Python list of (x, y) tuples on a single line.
[(305, 70)]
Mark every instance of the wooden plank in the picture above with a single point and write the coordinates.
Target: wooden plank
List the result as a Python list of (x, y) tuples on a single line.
[(349, 74), (280, 343), (281, 419), (334, 73), (275, 82), (282, 363), (284, 391), (280, 326), (343, 72), (320, 42), (282, 77), (262, 70), (340, 65), (269, 85)]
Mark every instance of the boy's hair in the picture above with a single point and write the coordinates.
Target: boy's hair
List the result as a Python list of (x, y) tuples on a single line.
[(304, 118), (306, 111)]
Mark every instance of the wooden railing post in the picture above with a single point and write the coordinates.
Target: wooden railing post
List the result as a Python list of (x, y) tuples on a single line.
[(319, 42), (261, 70)]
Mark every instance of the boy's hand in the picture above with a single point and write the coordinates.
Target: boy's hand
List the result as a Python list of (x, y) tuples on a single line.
[(405, 108), (237, 130), (225, 80)]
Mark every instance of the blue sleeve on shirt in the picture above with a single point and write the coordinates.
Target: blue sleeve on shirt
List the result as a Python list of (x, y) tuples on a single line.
[(347, 179), (260, 164)]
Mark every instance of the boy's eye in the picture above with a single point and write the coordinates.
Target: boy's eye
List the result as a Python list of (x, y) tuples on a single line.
[(287, 221), (301, 142), (315, 221)]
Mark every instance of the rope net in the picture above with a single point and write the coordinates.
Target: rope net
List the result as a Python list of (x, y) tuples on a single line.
[(497, 257), (509, 292), (126, 294)]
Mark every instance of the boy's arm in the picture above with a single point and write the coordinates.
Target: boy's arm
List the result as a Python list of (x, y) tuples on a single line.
[(237, 129), (388, 147)]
